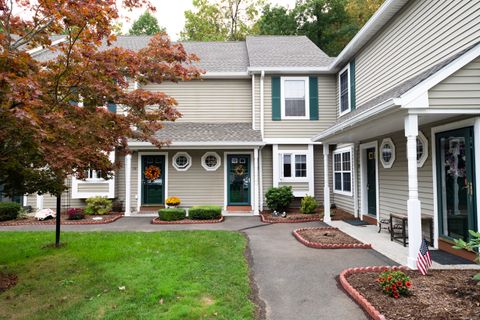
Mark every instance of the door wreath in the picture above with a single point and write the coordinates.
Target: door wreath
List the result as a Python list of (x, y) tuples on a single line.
[(152, 173), (239, 170)]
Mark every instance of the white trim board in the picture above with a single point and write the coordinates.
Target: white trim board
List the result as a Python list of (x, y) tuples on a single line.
[(139, 175), (363, 179), (341, 151)]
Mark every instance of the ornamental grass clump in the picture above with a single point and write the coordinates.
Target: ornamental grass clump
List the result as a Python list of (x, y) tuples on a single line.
[(394, 283), (308, 205)]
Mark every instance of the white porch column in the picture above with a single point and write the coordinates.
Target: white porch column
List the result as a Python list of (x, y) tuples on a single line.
[(326, 187), (39, 202), (128, 184), (413, 204), (255, 180)]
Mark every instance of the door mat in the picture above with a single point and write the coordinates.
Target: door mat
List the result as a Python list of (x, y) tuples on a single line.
[(356, 222), (445, 258)]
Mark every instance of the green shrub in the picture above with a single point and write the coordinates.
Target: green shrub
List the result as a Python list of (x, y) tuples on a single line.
[(308, 205), (472, 245), (205, 212), (98, 205), (9, 210), (279, 199), (171, 214)]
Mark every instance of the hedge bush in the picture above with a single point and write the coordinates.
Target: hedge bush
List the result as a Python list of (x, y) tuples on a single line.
[(279, 199), (205, 212), (75, 214), (98, 205), (171, 214), (9, 210), (308, 205)]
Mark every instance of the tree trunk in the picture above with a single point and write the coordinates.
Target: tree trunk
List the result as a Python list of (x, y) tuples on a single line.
[(57, 221)]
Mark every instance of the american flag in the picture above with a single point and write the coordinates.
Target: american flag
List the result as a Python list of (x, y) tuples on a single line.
[(424, 260)]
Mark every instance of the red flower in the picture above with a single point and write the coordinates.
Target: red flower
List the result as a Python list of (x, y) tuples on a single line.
[(408, 284), (389, 278), (396, 295), (399, 283)]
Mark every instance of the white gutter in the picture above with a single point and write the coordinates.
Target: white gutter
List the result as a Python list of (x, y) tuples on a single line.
[(253, 102), (262, 103), (226, 75), (286, 70), (197, 144), (360, 117)]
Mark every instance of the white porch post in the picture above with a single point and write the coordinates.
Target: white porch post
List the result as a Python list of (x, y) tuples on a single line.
[(39, 202), (413, 203), (128, 184), (326, 187), (256, 183)]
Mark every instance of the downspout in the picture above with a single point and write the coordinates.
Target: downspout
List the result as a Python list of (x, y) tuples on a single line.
[(253, 101), (260, 176), (262, 104)]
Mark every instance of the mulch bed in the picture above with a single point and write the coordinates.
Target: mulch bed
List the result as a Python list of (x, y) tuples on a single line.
[(441, 295), (107, 218), (7, 280), (187, 221), (339, 214), (327, 238), (290, 218)]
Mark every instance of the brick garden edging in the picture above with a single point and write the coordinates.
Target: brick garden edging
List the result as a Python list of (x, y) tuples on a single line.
[(357, 296), (312, 219), (319, 245), (48, 222), (187, 221)]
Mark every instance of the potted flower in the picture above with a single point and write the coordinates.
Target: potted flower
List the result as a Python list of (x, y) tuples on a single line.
[(172, 202)]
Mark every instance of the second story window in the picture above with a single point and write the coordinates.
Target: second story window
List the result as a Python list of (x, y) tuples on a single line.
[(294, 100), (344, 90)]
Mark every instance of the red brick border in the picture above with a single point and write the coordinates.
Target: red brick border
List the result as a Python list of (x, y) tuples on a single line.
[(318, 245), (49, 222), (357, 296), (313, 219), (187, 221)]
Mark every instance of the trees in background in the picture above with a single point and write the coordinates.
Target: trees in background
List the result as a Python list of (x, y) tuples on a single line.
[(146, 24)]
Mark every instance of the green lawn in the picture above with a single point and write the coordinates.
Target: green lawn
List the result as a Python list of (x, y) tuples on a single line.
[(166, 275)]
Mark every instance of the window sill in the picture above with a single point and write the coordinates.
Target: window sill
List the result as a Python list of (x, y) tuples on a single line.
[(295, 118), (93, 181), (294, 179)]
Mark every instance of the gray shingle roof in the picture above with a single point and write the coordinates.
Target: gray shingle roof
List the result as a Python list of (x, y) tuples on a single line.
[(209, 132), (285, 51)]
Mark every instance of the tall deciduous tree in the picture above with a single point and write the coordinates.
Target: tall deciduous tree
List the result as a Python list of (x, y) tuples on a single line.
[(277, 20), (46, 137), (146, 24)]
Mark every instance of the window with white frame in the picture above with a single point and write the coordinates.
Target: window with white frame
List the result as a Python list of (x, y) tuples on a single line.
[(422, 149), (92, 174), (387, 153), (182, 161), (294, 166), (211, 161), (344, 90), (342, 171), (295, 103)]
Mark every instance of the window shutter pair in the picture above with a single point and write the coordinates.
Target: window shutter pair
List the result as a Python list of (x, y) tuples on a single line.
[(276, 96)]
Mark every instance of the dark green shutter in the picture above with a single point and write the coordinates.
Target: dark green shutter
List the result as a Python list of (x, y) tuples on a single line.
[(313, 91), (112, 107), (276, 112), (352, 84)]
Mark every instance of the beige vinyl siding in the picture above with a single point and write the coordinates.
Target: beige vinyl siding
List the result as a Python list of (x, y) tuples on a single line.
[(257, 103), (120, 180), (319, 174), (423, 33), (93, 187), (460, 90), (302, 128), (212, 100), (296, 186), (293, 147), (267, 170), (50, 202)]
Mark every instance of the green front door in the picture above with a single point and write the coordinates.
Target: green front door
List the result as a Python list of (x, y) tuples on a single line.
[(238, 180), (455, 183), (153, 190), (371, 182)]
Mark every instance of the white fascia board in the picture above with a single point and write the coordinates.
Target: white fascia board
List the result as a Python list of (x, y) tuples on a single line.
[(226, 75), (423, 87), (197, 144), (287, 70), (289, 141), (40, 48), (370, 113)]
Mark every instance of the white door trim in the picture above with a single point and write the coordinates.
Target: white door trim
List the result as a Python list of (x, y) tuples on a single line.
[(252, 180), (475, 122), (139, 174), (363, 179)]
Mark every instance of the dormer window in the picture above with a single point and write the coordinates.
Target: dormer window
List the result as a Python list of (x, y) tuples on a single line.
[(344, 90), (294, 99)]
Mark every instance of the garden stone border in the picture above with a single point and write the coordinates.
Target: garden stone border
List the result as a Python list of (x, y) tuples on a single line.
[(318, 245), (49, 222), (266, 220), (187, 221), (357, 296)]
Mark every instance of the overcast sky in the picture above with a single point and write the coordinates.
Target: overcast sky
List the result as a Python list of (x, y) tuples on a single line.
[(170, 14)]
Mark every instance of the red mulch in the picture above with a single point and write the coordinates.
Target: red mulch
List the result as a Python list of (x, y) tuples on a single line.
[(291, 217), (441, 295), (339, 214), (187, 221), (107, 218), (7, 280)]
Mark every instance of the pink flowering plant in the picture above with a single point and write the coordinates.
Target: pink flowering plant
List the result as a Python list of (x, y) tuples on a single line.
[(394, 283)]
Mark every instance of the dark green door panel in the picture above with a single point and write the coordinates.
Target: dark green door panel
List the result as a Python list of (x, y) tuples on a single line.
[(371, 182), (238, 180), (153, 191)]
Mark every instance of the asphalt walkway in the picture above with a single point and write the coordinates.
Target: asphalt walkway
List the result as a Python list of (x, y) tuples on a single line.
[(294, 281)]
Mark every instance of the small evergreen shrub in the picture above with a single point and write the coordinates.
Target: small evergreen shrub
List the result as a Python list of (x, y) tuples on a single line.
[(279, 199), (308, 205), (205, 212), (394, 283), (171, 214), (98, 205), (9, 210), (75, 214)]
